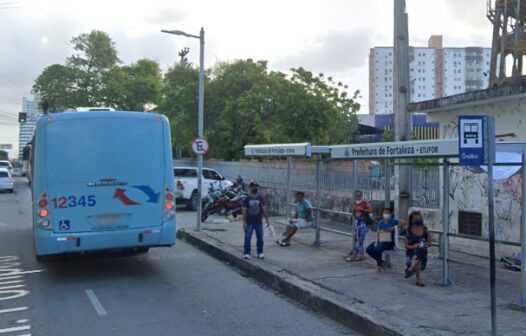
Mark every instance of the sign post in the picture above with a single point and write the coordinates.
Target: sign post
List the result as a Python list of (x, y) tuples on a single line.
[(200, 147), (476, 146)]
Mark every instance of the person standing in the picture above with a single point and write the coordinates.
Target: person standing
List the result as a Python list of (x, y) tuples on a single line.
[(360, 209), (254, 210), (384, 238), (302, 218), (417, 241)]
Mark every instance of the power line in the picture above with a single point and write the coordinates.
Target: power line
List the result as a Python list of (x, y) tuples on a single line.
[(11, 85)]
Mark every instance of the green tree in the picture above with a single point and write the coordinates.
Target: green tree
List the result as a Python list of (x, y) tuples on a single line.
[(95, 55), (56, 85), (247, 103), (180, 92), (134, 86), (81, 81), (323, 112)]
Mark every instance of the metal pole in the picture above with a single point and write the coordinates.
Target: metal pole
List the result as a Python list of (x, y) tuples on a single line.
[(317, 241), (289, 170), (444, 247), (522, 301), (355, 167), (387, 186), (401, 93), (491, 227), (200, 126)]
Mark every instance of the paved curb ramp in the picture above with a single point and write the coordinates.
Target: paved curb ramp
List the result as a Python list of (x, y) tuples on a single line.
[(316, 297)]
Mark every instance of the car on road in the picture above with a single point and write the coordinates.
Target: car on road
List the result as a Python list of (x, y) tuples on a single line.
[(17, 172), (7, 165), (6, 180), (186, 184)]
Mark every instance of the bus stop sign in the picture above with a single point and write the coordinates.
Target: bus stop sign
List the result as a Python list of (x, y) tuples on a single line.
[(476, 140)]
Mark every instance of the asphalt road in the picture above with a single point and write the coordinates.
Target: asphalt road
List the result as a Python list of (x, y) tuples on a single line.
[(169, 291)]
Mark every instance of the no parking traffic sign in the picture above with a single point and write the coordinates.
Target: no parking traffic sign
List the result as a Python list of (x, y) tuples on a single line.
[(200, 146)]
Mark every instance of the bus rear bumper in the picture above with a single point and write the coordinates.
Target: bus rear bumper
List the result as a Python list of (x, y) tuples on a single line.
[(48, 242)]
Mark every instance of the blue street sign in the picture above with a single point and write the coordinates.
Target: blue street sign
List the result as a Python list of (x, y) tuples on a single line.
[(476, 140)]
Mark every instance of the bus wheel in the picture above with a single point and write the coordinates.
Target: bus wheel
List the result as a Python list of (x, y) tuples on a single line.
[(143, 250)]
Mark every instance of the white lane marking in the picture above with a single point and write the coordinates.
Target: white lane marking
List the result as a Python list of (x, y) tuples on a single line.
[(12, 310), (95, 303), (13, 329), (22, 321)]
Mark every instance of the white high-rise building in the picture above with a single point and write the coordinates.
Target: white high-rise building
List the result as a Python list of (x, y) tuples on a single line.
[(28, 128), (434, 72)]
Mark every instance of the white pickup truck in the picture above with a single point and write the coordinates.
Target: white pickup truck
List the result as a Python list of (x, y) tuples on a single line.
[(186, 184)]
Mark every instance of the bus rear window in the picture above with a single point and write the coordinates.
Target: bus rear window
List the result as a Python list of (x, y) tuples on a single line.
[(81, 150)]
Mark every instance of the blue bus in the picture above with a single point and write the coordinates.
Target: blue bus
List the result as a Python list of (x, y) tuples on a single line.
[(102, 181)]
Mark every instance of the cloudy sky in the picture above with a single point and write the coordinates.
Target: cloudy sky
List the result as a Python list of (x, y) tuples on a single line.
[(330, 36)]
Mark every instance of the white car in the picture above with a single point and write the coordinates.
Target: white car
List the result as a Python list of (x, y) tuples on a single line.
[(6, 165), (6, 180), (186, 184)]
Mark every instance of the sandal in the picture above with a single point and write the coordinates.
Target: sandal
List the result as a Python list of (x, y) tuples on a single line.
[(420, 284), (408, 273)]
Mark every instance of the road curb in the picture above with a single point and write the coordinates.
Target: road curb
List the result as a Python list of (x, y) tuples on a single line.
[(293, 287)]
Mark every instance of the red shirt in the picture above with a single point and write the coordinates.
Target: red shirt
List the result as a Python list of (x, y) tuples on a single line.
[(359, 207)]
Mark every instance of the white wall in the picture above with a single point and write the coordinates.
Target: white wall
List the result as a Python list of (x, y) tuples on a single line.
[(468, 190)]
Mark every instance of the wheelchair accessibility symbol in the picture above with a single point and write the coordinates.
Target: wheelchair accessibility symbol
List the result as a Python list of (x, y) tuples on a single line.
[(64, 225)]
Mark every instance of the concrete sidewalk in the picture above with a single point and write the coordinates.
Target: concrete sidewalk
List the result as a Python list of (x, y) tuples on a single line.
[(370, 302)]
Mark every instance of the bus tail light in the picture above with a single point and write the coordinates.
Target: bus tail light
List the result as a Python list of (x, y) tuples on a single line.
[(169, 205), (43, 211)]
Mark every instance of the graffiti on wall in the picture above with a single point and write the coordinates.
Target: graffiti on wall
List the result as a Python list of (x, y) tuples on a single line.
[(469, 192), (449, 130)]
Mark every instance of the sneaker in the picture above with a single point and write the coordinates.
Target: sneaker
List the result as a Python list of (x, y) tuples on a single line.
[(261, 256), (246, 256)]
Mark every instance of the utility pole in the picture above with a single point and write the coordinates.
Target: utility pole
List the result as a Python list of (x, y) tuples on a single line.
[(402, 91)]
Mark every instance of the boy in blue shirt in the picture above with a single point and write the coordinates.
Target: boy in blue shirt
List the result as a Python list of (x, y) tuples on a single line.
[(302, 218), (384, 238)]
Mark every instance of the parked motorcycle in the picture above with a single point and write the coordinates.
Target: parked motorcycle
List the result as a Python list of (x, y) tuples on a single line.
[(223, 201)]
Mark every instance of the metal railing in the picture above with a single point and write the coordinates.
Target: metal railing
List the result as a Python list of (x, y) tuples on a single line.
[(335, 177)]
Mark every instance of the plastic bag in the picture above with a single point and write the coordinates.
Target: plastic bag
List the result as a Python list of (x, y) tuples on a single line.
[(270, 232)]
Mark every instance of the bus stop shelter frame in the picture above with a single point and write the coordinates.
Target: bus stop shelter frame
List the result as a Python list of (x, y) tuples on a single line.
[(444, 149)]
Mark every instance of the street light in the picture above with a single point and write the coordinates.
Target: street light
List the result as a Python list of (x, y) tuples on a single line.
[(201, 38)]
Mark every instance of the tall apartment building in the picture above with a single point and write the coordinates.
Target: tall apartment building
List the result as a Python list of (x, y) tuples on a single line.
[(434, 72), (26, 129)]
